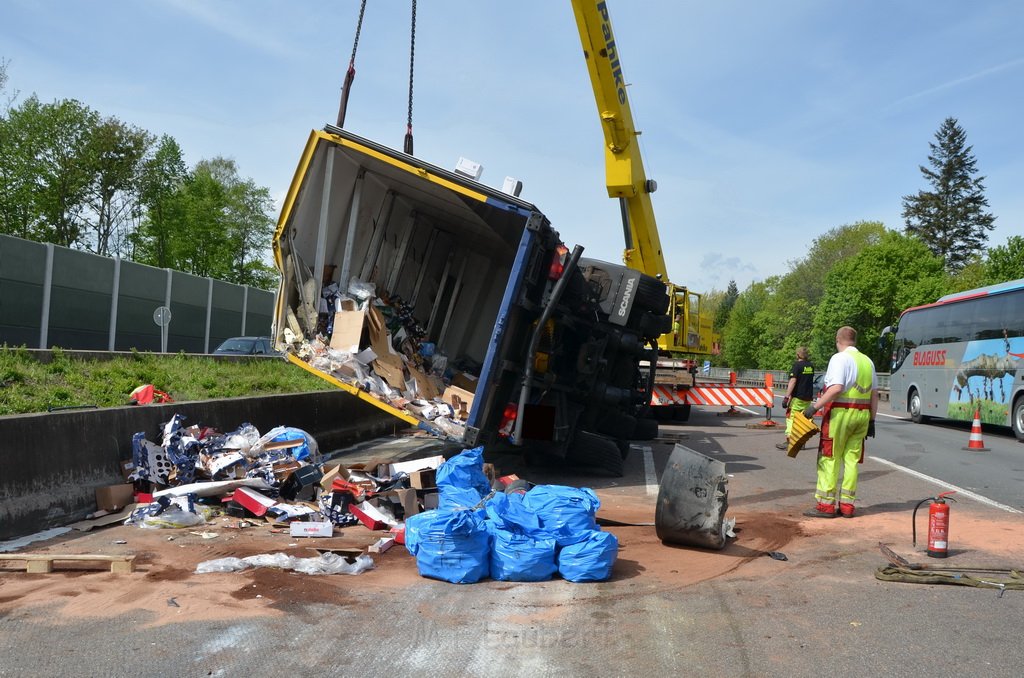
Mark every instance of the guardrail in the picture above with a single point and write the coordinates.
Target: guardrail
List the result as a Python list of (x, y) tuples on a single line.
[(779, 378)]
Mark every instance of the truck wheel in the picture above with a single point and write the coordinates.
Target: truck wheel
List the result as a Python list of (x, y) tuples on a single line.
[(617, 425), (681, 413), (1018, 418), (662, 412), (651, 295), (914, 407), (646, 429), (592, 449)]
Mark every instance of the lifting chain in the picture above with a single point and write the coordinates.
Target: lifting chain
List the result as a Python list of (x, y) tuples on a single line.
[(350, 75), (412, 60)]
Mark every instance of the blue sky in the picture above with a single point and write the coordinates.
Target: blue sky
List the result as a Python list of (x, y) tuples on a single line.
[(765, 124)]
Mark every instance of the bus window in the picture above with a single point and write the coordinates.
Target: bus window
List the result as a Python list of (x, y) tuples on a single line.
[(989, 318), (1013, 314)]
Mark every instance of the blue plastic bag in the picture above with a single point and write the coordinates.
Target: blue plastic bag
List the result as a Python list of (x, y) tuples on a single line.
[(522, 557), (452, 546), (452, 498), (508, 512), (303, 452), (520, 550), (567, 513), (590, 559), (466, 470)]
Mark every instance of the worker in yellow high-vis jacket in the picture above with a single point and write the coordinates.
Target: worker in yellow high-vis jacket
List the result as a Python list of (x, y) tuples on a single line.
[(850, 402)]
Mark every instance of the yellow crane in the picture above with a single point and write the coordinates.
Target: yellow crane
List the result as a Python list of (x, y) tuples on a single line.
[(626, 180)]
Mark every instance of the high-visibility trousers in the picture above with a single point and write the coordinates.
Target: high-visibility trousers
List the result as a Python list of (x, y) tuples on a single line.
[(842, 446)]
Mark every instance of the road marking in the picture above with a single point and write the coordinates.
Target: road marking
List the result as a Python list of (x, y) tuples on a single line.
[(948, 486), (650, 474)]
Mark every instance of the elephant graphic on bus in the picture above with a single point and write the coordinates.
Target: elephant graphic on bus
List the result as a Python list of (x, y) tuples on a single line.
[(985, 376)]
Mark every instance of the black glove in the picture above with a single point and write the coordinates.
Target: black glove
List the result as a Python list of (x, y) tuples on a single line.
[(871, 429), (785, 403), (810, 411)]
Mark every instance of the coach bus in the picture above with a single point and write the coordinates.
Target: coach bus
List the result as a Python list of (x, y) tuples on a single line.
[(960, 355)]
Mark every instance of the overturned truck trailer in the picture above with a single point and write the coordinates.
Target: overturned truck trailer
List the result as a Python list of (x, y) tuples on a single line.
[(457, 308)]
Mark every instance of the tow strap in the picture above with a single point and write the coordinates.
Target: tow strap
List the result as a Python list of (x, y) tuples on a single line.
[(901, 570)]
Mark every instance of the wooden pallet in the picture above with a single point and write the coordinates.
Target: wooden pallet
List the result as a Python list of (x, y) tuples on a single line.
[(42, 563)]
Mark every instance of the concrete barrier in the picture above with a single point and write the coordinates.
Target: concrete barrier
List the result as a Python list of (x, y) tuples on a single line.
[(52, 463)]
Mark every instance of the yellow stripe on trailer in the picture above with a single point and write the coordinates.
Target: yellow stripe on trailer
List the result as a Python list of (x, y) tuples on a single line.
[(356, 391)]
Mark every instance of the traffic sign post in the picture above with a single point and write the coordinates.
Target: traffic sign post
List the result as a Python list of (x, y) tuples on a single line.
[(162, 317)]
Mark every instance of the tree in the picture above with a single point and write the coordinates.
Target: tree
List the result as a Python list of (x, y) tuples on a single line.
[(213, 223), (726, 305), (116, 152), (163, 173), (46, 173), (251, 228), (806, 278), (1005, 262), (743, 333), (951, 218), (870, 290)]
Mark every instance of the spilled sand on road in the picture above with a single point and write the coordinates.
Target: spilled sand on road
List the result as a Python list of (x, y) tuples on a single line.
[(165, 588)]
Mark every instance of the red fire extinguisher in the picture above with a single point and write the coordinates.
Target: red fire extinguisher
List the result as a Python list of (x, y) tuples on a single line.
[(938, 524)]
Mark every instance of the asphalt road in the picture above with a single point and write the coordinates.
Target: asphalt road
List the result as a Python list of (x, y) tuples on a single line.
[(820, 612)]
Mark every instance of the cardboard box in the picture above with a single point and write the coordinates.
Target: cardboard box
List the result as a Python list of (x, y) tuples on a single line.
[(254, 501), (404, 499), (127, 469), (431, 500), (114, 497), (415, 465), (461, 401), (348, 327), (381, 545), (465, 381), (422, 480), (311, 529), (370, 516)]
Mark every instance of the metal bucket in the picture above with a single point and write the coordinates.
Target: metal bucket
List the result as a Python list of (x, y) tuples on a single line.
[(692, 500)]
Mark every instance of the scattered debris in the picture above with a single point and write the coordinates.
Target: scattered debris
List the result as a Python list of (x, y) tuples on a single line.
[(777, 555), (325, 563)]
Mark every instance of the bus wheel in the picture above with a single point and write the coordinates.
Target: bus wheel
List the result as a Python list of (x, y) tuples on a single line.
[(1017, 420), (914, 406)]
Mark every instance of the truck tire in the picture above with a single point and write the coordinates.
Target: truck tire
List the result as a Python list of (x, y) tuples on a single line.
[(681, 413), (651, 295), (594, 450), (617, 425), (646, 429)]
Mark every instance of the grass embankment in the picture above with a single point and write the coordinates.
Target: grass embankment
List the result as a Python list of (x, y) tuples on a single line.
[(27, 385)]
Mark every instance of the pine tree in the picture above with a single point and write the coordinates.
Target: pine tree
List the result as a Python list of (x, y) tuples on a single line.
[(725, 308), (951, 218)]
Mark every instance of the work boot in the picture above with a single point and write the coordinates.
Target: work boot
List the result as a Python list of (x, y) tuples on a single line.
[(783, 445), (821, 510), (846, 510)]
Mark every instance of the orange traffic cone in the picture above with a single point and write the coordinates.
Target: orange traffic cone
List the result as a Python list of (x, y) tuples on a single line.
[(976, 443)]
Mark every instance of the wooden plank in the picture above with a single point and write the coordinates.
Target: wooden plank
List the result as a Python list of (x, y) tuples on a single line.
[(42, 563)]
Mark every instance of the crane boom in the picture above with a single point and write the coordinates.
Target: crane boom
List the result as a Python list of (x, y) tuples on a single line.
[(627, 180), (624, 166)]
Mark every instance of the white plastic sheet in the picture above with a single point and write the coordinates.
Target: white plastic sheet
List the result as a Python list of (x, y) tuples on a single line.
[(325, 563)]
